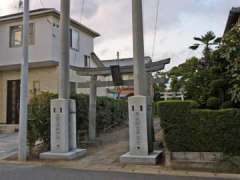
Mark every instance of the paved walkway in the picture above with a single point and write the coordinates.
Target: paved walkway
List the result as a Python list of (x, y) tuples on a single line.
[(30, 172), (8, 144)]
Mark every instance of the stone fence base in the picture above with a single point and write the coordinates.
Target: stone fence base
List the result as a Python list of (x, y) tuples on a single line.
[(206, 161), (197, 157)]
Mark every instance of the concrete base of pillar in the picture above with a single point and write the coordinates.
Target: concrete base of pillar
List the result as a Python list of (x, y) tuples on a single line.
[(74, 154), (150, 159)]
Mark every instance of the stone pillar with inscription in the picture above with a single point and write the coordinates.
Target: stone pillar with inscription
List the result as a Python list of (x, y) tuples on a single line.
[(140, 148), (63, 131)]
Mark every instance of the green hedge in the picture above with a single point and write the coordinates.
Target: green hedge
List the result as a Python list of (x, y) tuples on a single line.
[(188, 129), (110, 112)]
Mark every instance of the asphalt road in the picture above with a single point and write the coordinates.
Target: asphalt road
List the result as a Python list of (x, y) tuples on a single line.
[(25, 172)]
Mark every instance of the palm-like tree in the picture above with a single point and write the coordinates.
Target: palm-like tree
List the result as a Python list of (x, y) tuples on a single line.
[(207, 40)]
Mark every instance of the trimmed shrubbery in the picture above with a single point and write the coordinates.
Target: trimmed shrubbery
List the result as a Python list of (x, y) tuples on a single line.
[(39, 119), (188, 129), (213, 103), (110, 112)]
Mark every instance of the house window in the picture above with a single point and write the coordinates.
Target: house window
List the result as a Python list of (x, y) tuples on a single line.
[(86, 61), (16, 35), (74, 39)]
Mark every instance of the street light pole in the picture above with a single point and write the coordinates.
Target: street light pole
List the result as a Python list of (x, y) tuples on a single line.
[(22, 147)]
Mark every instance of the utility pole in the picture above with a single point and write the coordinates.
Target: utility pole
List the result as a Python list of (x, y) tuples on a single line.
[(63, 109), (140, 77), (64, 62), (22, 147), (140, 105)]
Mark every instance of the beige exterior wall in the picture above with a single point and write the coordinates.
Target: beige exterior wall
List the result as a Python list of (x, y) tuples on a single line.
[(46, 76)]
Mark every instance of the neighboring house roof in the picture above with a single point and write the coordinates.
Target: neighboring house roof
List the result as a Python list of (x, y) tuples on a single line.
[(123, 62), (96, 60), (32, 65), (47, 12), (232, 18)]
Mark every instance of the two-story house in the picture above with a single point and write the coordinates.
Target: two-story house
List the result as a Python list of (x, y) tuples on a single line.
[(44, 55)]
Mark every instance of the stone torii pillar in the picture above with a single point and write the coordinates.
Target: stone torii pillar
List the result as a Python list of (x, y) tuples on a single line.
[(92, 110), (139, 106)]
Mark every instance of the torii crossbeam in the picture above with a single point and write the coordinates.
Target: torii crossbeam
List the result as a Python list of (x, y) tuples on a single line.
[(104, 71)]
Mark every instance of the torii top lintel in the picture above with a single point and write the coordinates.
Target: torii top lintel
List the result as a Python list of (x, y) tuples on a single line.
[(104, 71)]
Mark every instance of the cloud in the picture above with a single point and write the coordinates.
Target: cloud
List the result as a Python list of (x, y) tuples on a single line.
[(87, 10), (179, 21)]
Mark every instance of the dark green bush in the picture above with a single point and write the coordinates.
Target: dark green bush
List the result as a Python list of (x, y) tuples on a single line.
[(192, 130), (174, 118), (227, 105), (110, 113), (213, 103), (39, 119)]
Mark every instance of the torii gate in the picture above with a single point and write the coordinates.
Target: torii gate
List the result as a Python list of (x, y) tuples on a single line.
[(94, 84)]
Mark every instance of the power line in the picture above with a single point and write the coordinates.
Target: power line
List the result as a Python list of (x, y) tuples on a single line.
[(155, 29), (42, 4), (82, 10), (20, 5)]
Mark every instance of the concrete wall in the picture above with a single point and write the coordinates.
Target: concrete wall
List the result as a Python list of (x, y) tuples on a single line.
[(46, 76)]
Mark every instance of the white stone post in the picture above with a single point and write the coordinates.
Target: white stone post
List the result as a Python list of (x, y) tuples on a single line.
[(182, 96), (22, 147), (92, 110), (165, 96), (139, 106)]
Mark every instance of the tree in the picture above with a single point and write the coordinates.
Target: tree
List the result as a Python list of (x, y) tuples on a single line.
[(230, 50), (207, 40), (160, 81), (200, 84), (181, 74)]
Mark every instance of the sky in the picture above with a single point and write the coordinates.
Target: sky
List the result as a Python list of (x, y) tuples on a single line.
[(179, 21)]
